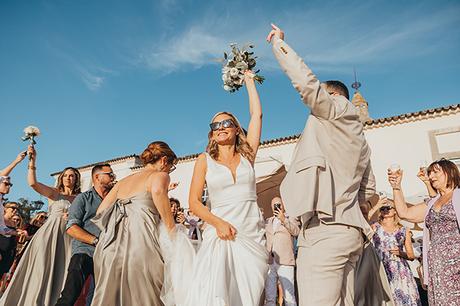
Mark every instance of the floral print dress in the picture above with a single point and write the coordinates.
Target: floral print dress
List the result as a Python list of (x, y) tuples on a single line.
[(400, 277), (443, 256)]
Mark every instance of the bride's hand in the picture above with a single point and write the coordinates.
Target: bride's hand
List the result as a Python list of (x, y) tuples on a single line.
[(249, 76), (225, 230)]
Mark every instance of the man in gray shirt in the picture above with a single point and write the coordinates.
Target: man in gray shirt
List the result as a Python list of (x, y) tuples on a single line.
[(84, 233)]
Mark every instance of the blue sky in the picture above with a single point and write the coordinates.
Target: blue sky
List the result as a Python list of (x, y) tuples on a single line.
[(101, 79)]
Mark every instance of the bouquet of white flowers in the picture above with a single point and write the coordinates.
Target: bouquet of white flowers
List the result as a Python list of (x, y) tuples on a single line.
[(236, 64), (30, 133)]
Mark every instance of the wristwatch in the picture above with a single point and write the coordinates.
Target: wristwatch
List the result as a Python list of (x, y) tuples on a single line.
[(95, 241)]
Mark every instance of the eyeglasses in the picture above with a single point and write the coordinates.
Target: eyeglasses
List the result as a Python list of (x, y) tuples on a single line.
[(386, 208), (42, 217), (224, 123), (111, 174)]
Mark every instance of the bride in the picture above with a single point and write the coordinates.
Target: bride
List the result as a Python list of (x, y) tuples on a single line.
[(231, 264)]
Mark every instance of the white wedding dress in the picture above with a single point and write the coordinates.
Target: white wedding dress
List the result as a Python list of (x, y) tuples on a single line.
[(223, 272)]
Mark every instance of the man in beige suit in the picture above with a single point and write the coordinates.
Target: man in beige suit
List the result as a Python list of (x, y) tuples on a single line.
[(280, 232), (329, 175)]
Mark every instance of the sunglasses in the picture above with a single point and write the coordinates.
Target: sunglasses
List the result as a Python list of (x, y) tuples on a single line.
[(8, 184), (224, 123), (111, 174), (173, 167), (386, 208)]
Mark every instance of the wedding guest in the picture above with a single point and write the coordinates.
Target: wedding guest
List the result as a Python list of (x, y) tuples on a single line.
[(373, 288), (5, 185), (280, 232), (40, 274), (16, 221), (85, 234), (177, 211), (39, 219), (195, 224), (441, 233), (8, 243), (394, 247), (128, 262)]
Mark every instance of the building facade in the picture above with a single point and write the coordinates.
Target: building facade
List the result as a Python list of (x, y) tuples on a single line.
[(407, 140)]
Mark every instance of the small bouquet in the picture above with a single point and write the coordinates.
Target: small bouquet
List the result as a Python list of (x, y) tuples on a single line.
[(236, 64), (30, 133)]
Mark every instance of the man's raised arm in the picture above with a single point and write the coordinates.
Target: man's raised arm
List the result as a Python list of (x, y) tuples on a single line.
[(302, 78)]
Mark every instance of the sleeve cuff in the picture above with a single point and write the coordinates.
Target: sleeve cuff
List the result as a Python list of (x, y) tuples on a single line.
[(72, 222)]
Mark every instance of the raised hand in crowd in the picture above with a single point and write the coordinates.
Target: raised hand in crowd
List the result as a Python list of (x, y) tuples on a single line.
[(279, 213), (423, 176), (14, 163), (173, 186)]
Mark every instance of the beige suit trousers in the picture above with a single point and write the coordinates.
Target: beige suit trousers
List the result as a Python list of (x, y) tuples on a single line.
[(326, 263)]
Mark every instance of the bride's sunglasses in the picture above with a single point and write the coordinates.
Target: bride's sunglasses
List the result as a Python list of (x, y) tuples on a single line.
[(224, 123)]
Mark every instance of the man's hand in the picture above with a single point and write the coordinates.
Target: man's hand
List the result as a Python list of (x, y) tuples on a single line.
[(173, 186), (275, 32)]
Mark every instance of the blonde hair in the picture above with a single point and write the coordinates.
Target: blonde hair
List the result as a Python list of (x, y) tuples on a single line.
[(397, 219), (241, 144)]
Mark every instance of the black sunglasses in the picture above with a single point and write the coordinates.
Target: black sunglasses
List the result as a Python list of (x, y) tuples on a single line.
[(8, 184), (224, 123), (386, 208)]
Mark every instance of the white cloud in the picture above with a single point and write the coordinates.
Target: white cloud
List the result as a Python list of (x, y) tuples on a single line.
[(93, 76), (92, 81), (330, 44), (195, 47)]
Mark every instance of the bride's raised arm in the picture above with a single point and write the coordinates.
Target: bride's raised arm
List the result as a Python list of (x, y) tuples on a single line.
[(255, 111)]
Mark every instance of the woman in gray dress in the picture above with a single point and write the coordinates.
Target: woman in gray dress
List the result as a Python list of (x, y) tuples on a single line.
[(128, 264), (41, 272)]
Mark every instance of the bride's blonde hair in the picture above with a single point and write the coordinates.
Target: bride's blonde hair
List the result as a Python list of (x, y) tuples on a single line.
[(241, 144)]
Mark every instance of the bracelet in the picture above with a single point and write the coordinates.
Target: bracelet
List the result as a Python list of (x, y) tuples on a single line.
[(32, 167)]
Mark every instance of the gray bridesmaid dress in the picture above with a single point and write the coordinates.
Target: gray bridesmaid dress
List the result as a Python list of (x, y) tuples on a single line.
[(128, 265), (41, 272)]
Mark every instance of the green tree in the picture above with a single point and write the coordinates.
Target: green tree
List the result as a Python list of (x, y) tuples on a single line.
[(28, 208)]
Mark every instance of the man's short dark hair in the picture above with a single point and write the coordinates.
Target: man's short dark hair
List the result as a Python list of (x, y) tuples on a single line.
[(97, 168), (338, 87)]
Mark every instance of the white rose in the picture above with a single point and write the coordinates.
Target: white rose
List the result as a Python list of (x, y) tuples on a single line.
[(234, 72), (242, 66)]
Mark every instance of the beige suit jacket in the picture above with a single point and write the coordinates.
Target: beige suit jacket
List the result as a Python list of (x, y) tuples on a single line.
[(280, 242), (331, 166)]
